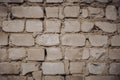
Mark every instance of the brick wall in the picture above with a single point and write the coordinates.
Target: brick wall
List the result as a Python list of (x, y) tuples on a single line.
[(59, 39)]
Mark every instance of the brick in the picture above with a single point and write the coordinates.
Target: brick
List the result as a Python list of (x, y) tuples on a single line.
[(114, 68), (3, 11), (71, 26), (66, 63), (34, 26), (9, 68), (114, 53), (35, 54), (35, 1), (53, 25), (119, 12), (3, 39), (17, 53), (10, 26), (76, 67), (87, 26), (106, 26), (86, 53), (74, 78), (87, 1), (11, 1), (16, 78), (54, 1), (71, 11), (29, 67), (3, 55), (37, 75), (22, 39), (98, 40), (101, 78), (54, 78), (54, 53), (48, 39), (98, 53), (73, 53), (115, 40), (52, 12), (96, 68), (102, 1), (3, 77), (53, 68), (72, 0), (27, 12), (96, 12), (84, 13), (111, 12), (118, 27), (73, 40), (30, 78)]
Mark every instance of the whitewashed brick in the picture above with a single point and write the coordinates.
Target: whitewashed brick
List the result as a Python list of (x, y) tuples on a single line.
[(98, 40), (12, 1), (86, 53), (35, 1), (22, 39), (74, 78), (9, 68), (3, 38), (73, 40), (17, 53), (3, 55), (3, 11), (53, 68), (111, 12), (54, 1), (53, 25), (54, 78), (29, 67), (35, 54), (76, 67), (115, 40), (13, 26), (54, 53), (114, 53), (106, 26), (71, 26), (114, 68), (27, 12), (48, 39), (84, 13), (34, 26), (37, 75), (71, 11), (103, 1)]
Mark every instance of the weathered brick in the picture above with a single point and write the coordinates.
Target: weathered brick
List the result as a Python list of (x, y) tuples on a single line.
[(37, 75), (71, 26), (101, 78), (16, 78), (118, 27), (87, 26), (106, 26), (114, 68), (9, 68), (34, 26), (13, 26), (30, 78), (53, 25), (3, 11), (35, 1), (73, 0), (111, 12), (52, 12), (53, 68), (71, 11), (96, 68), (66, 63), (74, 78), (29, 67), (87, 1), (35, 54), (98, 53), (73, 53), (98, 40), (115, 41), (96, 12), (3, 54), (54, 78), (48, 39), (84, 13), (17, 53), (76, 67), (103, 1), (3, 38), (114, 53), (73, 40), (86, 53), (27, 12), (54, 1), (12, 1), (22, 39), (54, 53), (119, 12)]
